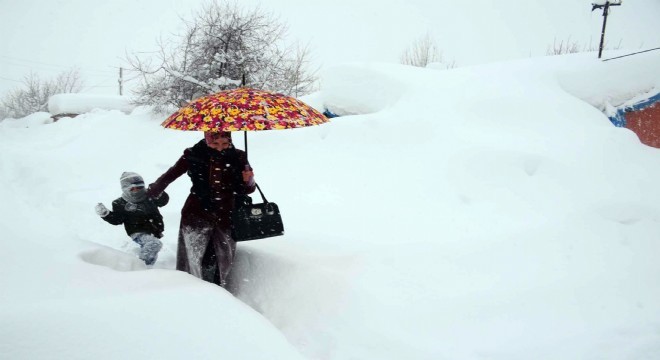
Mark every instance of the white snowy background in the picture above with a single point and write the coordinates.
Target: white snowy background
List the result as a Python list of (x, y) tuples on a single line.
[(484, 212), (49, 37), (488, 212)]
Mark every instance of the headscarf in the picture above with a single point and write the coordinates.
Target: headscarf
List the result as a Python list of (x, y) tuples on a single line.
[(131, 180)]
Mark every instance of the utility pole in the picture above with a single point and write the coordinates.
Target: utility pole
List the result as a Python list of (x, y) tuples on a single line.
[(606, 10), (121, 81)]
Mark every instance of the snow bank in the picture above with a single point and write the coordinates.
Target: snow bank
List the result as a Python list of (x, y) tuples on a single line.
[(83, 103), (361, 88), (611, 83), (492, 207), (36, 119), (478, 212), (71, 291)]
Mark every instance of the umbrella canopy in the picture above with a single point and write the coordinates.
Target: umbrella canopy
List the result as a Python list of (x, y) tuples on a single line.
[(244, 109)]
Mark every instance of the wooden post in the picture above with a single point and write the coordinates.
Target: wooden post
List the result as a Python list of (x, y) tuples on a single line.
[(121, 81), (606, 10)]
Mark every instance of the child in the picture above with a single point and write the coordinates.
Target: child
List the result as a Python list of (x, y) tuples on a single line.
[(139, 214)]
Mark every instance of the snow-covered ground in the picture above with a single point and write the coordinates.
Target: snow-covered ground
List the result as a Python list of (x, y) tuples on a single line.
[(487, 212)]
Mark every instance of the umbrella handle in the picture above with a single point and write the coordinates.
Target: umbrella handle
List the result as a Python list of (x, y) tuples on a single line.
[(246, 145)]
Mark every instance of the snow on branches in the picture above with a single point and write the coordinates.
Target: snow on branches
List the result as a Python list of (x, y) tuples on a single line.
[(219, 46)]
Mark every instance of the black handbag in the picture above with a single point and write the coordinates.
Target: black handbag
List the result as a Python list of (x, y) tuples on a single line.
[(255, 221)]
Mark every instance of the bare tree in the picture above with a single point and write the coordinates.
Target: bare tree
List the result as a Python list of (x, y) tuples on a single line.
[(567, 47), (219, 46), (571, 47), (34, 94), (424, 51)]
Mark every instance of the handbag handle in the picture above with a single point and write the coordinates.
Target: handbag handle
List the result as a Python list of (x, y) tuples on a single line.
[(262, 193)]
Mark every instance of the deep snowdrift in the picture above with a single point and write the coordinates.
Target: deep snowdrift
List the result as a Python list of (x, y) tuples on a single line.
[(483, 212)]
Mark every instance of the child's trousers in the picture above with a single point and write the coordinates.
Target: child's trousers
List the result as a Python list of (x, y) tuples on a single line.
[(149, 247)]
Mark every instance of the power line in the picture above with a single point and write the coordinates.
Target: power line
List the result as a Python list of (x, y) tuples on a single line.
[(125, 69), (631, 54), (133, 78), (48, 64), (105, 78), (17, 62), (606, 11), (4, 78), (98, 84), (42, 68)]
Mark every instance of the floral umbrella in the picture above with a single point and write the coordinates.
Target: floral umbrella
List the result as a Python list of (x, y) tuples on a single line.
[(244, 109)]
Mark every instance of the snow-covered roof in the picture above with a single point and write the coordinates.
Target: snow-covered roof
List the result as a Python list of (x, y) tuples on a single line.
[(82, 103)]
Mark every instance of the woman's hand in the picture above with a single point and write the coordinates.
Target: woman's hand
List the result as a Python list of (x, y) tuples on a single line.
[(248, 175), (151, 193)]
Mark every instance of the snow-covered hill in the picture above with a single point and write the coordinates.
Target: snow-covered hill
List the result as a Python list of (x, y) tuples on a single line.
[(483, 212)]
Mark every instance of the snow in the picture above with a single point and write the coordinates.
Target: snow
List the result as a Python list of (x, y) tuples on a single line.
[(603, 2), (82, 103), (484, 212), (41, 37), (35, 119)]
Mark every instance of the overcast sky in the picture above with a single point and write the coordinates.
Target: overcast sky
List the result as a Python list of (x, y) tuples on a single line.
[(49, 36)]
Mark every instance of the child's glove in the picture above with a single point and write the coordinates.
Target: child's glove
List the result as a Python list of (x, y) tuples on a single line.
[(101, 210)]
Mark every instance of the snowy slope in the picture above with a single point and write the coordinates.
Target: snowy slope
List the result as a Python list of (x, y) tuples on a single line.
[(494, 208), (482, 212)]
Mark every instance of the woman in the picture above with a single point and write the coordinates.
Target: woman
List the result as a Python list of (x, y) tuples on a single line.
[(218, 171)]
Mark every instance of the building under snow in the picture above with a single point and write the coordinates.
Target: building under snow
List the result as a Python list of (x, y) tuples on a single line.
[(71, 105), (643, 118)]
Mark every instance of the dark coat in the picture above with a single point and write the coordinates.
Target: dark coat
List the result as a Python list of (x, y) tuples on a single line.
[(139, 217), (205, 231)]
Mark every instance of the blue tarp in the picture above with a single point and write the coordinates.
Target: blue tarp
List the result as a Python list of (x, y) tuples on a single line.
[(329, 114), (619, 119)]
